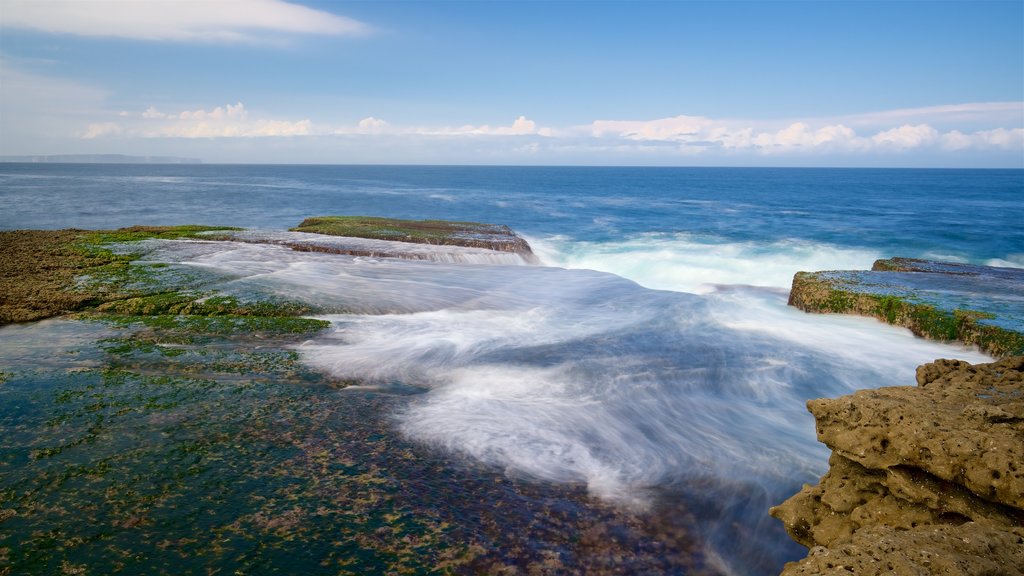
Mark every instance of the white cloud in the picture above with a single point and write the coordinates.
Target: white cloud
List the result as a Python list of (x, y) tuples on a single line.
[(371, 125), (150, 113), (230, 121), (678, 128), (175, 20), (235, 112), (40, 114), (521, 126), (907, 136), (812, 136)]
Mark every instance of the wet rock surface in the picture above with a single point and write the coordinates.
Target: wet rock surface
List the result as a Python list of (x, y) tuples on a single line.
[(373, 248), (922, 480), (976, 305), (436, 232)]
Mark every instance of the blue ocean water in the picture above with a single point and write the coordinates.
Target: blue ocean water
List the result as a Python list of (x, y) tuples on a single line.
[(963, 215), (651, 355)]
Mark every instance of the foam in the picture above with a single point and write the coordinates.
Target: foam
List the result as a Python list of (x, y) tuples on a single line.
[(580, 376), (687, 263)]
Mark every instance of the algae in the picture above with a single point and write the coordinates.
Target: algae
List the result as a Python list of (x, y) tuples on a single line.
[(41, 271), (229, 457), (188, 437), (443, 232), (877, 295)]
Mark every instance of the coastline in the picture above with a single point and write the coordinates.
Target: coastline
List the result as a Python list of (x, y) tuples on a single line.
[(140, 297)]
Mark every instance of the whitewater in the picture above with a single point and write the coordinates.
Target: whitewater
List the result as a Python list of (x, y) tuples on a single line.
[(649, 356)]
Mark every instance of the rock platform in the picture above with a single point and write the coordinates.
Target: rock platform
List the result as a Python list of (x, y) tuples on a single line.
[(975, 305)]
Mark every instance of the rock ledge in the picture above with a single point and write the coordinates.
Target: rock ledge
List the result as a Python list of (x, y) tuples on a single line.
[(975, 305)]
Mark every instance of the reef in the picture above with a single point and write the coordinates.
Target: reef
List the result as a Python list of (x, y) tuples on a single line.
[(169, 426), (922, 480), (41, 270), (975, 305), (436, 232), (48, 273)]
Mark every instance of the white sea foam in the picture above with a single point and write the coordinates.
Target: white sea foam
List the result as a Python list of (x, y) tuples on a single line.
[(686, 263), (382, 248), (586, 377), (577, 375), (1011, 261)]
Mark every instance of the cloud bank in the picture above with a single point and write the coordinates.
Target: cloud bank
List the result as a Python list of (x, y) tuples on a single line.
[(685, 137), (43, 115), (230, 121), (697, 134), (175, 20)]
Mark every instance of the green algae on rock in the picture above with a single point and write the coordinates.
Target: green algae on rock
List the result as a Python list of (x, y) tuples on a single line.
[(441, 232), (46, 273), (203, 445), (975, 305), (922, 480), (40, 269)]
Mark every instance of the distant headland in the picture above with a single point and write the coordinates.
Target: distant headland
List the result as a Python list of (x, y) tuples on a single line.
[(100, 159)]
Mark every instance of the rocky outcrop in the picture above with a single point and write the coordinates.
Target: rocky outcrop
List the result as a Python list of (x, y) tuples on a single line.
[(922, 480), (372, 248), (975, 305), (438, 232)]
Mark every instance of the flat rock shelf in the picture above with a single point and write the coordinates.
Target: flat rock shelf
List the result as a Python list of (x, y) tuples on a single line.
[(975, 305), (437, 232)]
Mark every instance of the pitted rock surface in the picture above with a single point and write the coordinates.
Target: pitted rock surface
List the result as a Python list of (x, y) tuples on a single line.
[(922, 480)]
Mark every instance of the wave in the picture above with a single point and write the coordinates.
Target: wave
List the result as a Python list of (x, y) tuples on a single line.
[(689, 263)]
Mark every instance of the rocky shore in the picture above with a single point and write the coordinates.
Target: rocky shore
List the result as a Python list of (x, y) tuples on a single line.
[(923, 480), (47, 273), (975, 305)]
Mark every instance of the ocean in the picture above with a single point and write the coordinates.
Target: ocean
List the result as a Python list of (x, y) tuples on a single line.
[(648, 370)]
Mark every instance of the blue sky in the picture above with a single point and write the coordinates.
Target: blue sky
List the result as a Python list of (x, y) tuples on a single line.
[(770, 83)]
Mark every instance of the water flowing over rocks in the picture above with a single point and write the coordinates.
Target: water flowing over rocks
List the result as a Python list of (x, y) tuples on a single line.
[(923, 480), (975, 305), (434, 232)]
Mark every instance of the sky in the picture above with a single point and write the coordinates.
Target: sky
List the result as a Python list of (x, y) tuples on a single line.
[(913, 83)]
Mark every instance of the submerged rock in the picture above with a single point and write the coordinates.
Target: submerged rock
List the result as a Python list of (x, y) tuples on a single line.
[(437, 232), (975, 305), (922, 480)]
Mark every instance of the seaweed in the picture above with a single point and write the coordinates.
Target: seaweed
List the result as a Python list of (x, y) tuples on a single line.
[(878, 294)]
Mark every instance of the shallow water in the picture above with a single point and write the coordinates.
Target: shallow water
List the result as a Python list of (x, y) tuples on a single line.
[(635, 404), (584, 378)]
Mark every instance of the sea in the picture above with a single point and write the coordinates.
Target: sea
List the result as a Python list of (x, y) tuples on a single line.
[(648, 369)]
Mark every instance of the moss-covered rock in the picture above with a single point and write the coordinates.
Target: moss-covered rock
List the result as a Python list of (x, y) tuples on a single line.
[(440, 232), (975, 305), (39, 269), (45, 273)]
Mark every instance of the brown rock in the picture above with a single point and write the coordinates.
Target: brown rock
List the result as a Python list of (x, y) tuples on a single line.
[(965, 425), (947, 550), (922, 480)]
